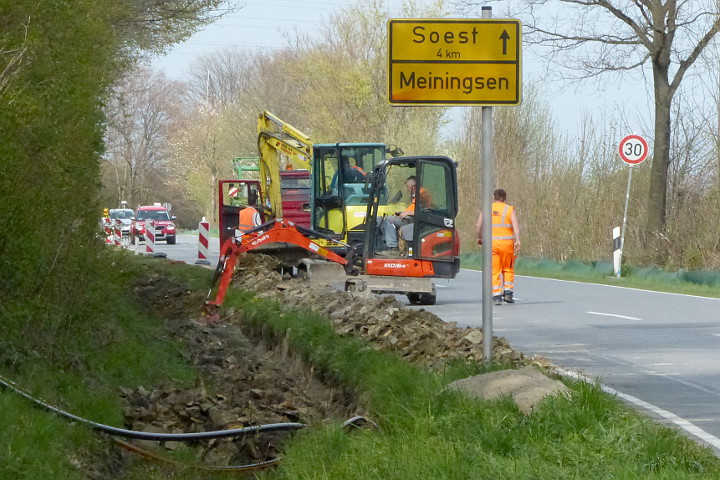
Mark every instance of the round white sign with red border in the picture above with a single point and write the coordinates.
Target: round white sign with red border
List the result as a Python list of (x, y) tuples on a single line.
[(633, 149)]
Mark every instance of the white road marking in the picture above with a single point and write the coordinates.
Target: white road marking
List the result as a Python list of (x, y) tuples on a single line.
[(689, 427), (625, 317), (716, 334)]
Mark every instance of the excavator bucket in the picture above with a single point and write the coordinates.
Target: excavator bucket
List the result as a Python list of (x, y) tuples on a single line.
[(321, 271)]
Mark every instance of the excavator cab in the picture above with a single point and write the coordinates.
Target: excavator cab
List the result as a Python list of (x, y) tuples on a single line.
[(427, 186), (341, 191)]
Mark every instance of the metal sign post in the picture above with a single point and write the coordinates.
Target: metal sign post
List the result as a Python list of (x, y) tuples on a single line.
[(633, 150), (487, 188)]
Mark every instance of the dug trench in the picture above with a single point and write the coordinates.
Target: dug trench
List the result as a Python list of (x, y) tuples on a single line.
[(247, 378)]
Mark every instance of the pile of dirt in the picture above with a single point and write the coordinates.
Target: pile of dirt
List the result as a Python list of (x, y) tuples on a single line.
[(385, 323)]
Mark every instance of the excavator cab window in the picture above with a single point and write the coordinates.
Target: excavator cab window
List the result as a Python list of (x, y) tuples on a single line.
[(426, 187)]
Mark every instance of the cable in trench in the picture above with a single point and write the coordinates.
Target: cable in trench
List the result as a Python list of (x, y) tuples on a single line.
[(356, 421)]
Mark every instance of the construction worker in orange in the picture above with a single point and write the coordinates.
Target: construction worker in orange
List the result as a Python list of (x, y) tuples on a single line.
[(505, 246), (403, 221), (249, 217)]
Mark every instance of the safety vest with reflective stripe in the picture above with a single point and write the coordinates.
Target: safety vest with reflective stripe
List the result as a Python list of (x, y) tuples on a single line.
[(249, 219), (502, 229)]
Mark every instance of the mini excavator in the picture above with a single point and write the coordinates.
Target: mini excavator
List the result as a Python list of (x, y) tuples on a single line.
[(430, 250)]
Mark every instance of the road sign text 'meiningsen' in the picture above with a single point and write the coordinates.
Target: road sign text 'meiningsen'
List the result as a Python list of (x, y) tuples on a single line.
[(454, 62)]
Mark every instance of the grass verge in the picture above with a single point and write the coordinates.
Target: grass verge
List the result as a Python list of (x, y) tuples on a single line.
[(701, 282), (78, 361), (427, 432)]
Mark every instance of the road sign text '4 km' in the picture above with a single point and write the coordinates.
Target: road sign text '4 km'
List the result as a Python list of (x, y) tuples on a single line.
[(633, 149)]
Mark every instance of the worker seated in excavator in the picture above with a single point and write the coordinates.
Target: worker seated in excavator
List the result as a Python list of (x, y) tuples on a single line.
[(353, 178), (351, 173), (398, 229)]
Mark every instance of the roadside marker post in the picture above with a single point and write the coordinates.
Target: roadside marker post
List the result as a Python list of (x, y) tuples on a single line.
[(150, 237), (117, 233), (203, 243), (617, 252)]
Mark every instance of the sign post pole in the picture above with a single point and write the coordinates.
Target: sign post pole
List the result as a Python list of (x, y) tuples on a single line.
[(622, 233), (633, 150), (487, 188)]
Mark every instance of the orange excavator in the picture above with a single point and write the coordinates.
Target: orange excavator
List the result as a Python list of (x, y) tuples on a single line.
[(430, 250)]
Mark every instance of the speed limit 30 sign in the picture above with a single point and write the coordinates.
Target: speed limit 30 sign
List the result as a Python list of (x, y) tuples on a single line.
[(633, 149)]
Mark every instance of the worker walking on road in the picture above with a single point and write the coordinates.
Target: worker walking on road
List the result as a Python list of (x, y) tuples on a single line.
[(505, 245)]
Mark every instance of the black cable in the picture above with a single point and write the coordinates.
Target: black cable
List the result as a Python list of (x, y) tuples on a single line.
[(178, 437)]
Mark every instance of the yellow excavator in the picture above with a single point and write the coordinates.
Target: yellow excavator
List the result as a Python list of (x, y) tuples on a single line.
[(339, 192)]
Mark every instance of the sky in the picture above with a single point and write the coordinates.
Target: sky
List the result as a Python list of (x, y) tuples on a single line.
[(267, 25)]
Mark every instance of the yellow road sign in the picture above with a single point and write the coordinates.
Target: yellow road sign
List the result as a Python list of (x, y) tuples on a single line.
[(455, 62)]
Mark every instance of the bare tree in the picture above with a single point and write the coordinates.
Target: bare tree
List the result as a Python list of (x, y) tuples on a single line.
[(593, 37), (141, 113)]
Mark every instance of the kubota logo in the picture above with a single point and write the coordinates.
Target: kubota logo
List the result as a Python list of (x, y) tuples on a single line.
[(395, 265), (258, 241)]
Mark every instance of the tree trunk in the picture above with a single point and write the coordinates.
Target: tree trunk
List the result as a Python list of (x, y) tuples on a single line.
[(657, 195)]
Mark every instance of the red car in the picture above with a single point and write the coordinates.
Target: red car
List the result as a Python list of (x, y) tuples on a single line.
[(164, 224)]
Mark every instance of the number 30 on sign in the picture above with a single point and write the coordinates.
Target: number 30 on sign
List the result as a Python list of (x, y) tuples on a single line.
[(633, 149)]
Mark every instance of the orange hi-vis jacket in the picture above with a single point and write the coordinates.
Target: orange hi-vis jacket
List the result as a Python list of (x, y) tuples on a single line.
[(502, 229), (248, 219), (426, 200)]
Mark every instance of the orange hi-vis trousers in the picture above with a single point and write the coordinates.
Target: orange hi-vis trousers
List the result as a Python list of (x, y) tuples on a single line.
[(503, 264)]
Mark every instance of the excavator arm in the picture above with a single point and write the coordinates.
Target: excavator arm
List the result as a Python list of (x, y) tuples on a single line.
[(276, 231), (276, 138)]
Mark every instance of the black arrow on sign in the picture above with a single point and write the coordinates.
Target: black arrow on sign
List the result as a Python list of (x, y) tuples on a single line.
[(505, 37)]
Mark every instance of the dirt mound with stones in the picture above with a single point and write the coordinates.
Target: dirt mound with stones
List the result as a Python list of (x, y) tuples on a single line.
[(247, 382), (385, 323)]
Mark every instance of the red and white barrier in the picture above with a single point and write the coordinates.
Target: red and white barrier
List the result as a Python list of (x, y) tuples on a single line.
[(108, 231), (117, 233), (203, 243), (149, 237)]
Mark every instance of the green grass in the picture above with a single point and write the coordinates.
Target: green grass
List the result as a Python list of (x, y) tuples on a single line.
[(112, 343), (703, 283), (428, 432), (425, 431)]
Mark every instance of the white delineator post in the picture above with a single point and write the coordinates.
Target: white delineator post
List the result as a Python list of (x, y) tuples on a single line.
[(617, 251), (149, 236), (203, 243)]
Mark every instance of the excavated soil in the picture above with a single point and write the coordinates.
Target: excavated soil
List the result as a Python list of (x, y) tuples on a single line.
[(246, 381)]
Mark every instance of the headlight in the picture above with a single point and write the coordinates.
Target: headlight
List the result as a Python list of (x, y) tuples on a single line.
[(170, 228)]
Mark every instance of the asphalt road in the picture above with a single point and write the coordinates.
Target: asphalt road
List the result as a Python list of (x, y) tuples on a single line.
[(658, 351), (186, 249)]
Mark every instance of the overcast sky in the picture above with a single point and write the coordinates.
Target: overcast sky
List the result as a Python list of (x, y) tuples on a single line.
[(267, 25)]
